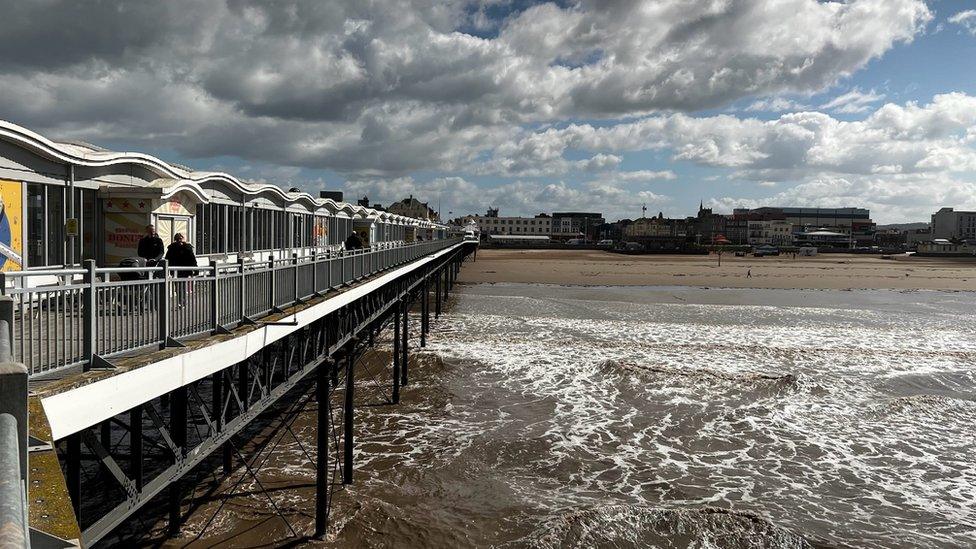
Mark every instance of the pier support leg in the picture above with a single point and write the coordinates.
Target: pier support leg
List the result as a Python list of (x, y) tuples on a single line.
[(244, 384), (227, 458), (136, 447), (424, 310), (177, 427), (403, 347), (437, 294), (347, 416), (396, 354), (322, 375)]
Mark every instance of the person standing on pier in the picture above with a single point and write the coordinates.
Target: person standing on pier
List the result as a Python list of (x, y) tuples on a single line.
[(354, 242), (180, 254), (151, 246)]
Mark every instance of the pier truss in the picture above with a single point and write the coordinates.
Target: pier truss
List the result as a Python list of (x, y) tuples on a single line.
[(126, 439)]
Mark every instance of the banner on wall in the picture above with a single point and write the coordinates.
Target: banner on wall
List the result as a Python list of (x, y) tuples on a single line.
[(11, 232), (363, 232), (122, 233), (321, 231)]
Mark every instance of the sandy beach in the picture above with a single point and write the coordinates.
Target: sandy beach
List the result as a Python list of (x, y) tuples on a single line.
[(827, 271)]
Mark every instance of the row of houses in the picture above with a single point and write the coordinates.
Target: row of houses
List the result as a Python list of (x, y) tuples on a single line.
[(821, 227), (559, 226)]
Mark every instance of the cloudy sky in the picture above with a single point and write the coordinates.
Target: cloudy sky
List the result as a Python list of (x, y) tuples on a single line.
[(525, 106)]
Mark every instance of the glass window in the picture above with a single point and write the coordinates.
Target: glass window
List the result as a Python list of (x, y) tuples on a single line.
[(55, 225), (36, 210), (87, 217), (201, 223)]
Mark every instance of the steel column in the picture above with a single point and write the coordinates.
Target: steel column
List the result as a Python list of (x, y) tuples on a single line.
[(396, 354), (136, 468), (347, 416), (322, 443), (437, 293), (177, 429), (405, 308), (424, 306)]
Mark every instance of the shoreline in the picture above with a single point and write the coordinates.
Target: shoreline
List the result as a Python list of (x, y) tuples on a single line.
[(595, 268), (677, 287)]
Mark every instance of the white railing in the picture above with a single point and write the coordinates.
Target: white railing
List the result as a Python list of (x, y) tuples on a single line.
[(98, 312)]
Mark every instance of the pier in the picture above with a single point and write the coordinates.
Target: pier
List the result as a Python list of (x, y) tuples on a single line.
[(171, 368)]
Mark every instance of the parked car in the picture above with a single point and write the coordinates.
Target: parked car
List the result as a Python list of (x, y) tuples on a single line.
[(605, 243), (575, 242), (633, 247)]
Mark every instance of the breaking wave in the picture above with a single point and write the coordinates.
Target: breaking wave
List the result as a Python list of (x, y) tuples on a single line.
[(622, 526)]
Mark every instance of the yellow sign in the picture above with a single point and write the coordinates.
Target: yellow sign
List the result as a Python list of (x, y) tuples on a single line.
[(71, 226), (11, 225)]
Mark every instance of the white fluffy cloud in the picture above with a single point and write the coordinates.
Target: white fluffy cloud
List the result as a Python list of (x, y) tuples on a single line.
[(907, 158), (853, 102), (966, 19), (910, 138), (890, 198)]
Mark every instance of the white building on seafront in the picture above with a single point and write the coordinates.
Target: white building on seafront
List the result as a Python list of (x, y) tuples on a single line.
[(951, 224), (492, 223)]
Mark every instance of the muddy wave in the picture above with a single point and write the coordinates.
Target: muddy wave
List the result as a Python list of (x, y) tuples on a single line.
[(694, 376), (634, 526)]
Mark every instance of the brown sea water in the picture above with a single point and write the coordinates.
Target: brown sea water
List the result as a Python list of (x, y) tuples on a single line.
[(545, 416)]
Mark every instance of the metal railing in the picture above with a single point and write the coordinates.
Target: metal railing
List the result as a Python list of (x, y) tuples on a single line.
[(13, 440), (97, 312)]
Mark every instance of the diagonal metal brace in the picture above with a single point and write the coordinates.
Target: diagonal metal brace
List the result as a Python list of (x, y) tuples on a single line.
[(109, 462)]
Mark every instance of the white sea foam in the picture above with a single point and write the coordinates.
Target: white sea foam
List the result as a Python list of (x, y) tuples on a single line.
[(815, 416)]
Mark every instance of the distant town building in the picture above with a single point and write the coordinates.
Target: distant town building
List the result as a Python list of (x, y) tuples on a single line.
[(854, 223), (568, 225), (493, 224), (707, 227), (953, 225), (411, 207), (917, 236), (653, 228), (771, 232), (890, 238)]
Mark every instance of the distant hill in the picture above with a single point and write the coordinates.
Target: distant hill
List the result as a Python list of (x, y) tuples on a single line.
[(904, 226)]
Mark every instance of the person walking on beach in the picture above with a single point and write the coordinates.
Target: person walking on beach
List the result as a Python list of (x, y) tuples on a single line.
[(151, 246), (749, 273)]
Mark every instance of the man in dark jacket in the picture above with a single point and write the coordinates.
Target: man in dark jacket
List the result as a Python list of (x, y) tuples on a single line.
[(354, 242), (180, 254), (151, 246)]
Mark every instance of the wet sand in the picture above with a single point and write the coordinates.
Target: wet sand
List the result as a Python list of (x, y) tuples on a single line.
[(827, 271)]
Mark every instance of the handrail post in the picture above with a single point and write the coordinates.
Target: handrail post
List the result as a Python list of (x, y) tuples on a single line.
[(243, 292), (89, 347), (164, 300), (315, 271), (214, 299), (294, 267), (271, 282)]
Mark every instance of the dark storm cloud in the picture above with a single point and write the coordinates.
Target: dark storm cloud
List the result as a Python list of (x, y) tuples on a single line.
[(391, 86)]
